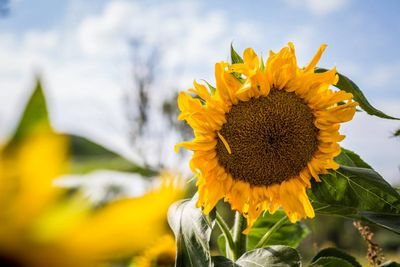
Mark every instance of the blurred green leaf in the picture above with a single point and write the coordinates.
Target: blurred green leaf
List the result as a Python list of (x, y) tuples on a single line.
[(277, 256), (34, 115), (331, 262), (87, 156), (81, 147), (192, 231), (235, 58), (289, 234), (336, 253), (348, 85)]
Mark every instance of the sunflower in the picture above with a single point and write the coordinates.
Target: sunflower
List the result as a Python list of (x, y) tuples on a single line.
[(26, 194), (264, 132), (127, 226), (160, 254), (44, 225)]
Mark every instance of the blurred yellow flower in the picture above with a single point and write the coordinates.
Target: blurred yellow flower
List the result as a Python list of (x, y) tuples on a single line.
[(43, 225), (127, 226), (27, 170), (160, 254)]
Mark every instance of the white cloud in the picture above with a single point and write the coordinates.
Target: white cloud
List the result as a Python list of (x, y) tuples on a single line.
[(106, 33), (41, 41), (319, 7)]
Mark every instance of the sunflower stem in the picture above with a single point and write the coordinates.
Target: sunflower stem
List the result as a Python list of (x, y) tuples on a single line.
[(263, 241), (239, 239), (227, 234)]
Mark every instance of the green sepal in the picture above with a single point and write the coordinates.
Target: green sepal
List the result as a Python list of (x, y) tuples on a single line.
[(210, 87), (262, 64), (235, 57)]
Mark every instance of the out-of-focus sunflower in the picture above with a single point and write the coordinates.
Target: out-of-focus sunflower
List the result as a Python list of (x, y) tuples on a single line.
[(44, 225), (26, 193), (127, 226), (41, 226), (160, 254), (265, 131)]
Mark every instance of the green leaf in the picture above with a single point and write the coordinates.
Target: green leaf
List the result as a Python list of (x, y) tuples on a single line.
[(277, 256), (390, 264), (349, 158), (35, 114), (331, 262), (221, 241), (388, 221), (357, 193), (87, 156), (192, 232), (348, 85), (334, 252), (397, 133), (290, 234), (221, 261), (270, 256), (235, 58)]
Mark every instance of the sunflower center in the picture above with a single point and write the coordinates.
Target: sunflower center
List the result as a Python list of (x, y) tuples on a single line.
[(272, 138)]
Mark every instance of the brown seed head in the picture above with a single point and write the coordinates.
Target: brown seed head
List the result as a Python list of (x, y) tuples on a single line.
[(272, 138)]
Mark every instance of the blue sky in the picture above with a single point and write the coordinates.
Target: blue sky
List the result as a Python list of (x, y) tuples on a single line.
[(80, 50)]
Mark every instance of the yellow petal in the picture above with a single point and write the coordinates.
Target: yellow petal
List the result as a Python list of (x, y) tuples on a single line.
[(316, 58)]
